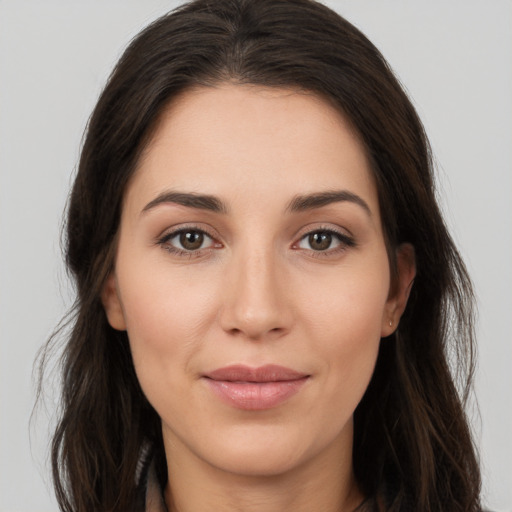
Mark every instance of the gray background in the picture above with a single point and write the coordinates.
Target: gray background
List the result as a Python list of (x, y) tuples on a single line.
[(455, 58)]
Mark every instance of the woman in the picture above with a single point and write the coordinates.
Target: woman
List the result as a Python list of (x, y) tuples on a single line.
[(266, 291)]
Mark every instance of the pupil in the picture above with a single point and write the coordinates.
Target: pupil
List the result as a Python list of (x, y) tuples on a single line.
[(191, 240), (320, 241)]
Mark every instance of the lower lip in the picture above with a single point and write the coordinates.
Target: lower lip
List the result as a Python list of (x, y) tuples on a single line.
[(255, 396)]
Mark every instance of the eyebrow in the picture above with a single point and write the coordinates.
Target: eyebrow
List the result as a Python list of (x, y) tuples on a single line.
[(317, 200), (297, 204), (189, 199)]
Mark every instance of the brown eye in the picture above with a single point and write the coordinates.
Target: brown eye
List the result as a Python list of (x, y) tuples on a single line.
[(320, 240), (191, 240), (325, 240), (187, 241)]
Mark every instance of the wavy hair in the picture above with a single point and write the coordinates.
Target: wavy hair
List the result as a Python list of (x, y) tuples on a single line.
[(412, 444)]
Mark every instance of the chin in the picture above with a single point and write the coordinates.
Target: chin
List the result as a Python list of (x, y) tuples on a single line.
[(264, 453), (259, 463)]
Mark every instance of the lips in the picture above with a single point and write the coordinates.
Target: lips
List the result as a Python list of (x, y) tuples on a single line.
[(255, 389)]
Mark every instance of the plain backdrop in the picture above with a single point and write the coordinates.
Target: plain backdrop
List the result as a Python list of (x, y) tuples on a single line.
[(453, 56)]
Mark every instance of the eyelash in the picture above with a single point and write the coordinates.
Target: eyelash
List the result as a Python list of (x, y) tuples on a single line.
[(345, 241), (164, 242)]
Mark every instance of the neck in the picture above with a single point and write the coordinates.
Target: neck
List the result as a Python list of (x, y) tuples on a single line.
[(324, 483)]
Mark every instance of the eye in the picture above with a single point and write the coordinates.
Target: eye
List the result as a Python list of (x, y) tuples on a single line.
[(325, 240), (187, 241)]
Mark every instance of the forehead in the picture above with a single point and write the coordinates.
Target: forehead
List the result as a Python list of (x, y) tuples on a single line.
[(229, 139)]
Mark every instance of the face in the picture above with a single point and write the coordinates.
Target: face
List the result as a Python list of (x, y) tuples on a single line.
[(252, 278)]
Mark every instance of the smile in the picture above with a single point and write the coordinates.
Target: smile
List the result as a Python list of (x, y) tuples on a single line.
[(255, 389)]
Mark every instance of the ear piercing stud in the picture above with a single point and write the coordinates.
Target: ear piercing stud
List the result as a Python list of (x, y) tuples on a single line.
[(390, 323)]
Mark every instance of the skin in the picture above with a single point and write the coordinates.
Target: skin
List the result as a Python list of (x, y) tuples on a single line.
[(256, 292)]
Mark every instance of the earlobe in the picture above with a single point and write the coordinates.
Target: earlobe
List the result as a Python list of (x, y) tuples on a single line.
[(112, 304), (400, 288)]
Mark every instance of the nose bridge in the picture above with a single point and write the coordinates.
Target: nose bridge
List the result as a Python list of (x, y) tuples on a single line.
[(256, 303)]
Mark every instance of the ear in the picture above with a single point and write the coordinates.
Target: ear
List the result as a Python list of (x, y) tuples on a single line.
[(112, 304), (400, 288)]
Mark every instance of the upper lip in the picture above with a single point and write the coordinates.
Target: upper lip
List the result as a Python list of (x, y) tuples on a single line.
[(266, 373)]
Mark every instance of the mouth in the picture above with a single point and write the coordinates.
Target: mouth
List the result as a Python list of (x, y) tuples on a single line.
[(255, 389)]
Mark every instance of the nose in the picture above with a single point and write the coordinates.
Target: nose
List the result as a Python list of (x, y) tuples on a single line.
[(256, 301)]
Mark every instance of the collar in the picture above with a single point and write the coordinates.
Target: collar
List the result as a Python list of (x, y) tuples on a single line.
[(154, 501)]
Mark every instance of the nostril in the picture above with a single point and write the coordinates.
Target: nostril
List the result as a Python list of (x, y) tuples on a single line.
[(254, 306)]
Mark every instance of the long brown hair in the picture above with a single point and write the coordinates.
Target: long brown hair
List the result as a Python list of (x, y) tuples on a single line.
[(412, 445)]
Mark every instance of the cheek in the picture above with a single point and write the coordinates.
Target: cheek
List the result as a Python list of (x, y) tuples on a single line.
[(167, 315), (349, 304), (346, 324)]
